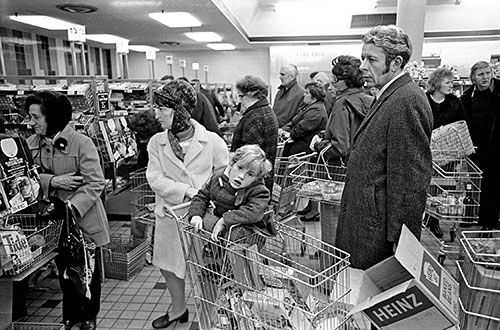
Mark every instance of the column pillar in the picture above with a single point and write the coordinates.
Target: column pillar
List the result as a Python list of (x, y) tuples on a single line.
[(411, 18)]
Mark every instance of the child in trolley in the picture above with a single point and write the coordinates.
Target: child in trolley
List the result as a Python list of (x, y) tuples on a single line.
[(235, 196)]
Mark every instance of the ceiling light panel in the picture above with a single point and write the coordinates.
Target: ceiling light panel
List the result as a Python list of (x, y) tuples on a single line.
[(106, 38), (221, 46), (176, 19), (204, 36), (42, 21), (142, 48)]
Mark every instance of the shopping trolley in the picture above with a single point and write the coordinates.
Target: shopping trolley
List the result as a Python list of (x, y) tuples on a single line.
[(262, 282), (284, 194), (453, 199), (479, 279)]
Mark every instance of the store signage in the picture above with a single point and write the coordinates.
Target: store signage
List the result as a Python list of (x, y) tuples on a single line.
[(169, 59), (151, 55), (103, 102), (195, 66), (76, 33), (205, 68), (122, 47), (182, 63)]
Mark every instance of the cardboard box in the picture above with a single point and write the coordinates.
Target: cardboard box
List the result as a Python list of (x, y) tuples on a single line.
[(409, 290)]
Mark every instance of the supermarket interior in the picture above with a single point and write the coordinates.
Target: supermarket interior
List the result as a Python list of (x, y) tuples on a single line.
[(112, 68)]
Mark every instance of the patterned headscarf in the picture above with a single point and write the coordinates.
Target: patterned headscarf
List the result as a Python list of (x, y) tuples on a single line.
[(180, 96)]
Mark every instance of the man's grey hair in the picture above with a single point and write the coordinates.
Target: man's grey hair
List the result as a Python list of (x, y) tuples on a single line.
[(393, 40), (292, 69)]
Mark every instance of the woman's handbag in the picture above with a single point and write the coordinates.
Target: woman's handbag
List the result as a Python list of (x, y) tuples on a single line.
[(77, 255)]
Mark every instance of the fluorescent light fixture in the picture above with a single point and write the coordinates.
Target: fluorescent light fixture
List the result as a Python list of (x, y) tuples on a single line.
[(204, 36), (42, 21), (176, 19), (221, 46), (142, 48), (106, 38)]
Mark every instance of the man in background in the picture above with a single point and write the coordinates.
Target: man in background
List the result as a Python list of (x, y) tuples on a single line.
[(212, 97), (204, 113), (289, 96), (482, 106), (390, 164)]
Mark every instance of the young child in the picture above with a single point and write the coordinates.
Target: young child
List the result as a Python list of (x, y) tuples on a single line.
[(237, 194)]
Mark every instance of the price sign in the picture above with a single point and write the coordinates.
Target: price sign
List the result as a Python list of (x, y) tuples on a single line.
[(205, 68), (195, 66), (182, 63), (76, 33), (169, 59), (150, 55), (122, 47)]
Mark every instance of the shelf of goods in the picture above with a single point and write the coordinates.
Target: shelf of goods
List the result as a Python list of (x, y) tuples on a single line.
[(91, 116), (131, 95)]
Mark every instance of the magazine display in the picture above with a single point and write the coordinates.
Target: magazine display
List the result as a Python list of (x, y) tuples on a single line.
[(19, 180)]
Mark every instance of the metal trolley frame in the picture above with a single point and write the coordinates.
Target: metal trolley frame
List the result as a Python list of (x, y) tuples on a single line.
[(261, 282)]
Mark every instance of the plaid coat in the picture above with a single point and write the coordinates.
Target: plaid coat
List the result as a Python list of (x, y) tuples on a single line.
[(258, 125), (389, 170), (236, 206)]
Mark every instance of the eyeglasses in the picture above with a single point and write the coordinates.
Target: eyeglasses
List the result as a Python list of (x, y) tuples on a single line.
[(241, 95)]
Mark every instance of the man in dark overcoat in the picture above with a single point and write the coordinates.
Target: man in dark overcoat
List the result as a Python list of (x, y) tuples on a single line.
[(390, 164)]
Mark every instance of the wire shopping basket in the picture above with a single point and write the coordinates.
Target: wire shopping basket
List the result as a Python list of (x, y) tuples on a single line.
[(451, 141), (284, 193), (143, 198), (479, 279), (262, 282), (320, 181), (31, 240)]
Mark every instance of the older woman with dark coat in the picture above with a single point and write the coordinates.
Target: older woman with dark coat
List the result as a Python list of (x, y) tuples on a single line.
[(309, 121), (70, 170), (258, 124)]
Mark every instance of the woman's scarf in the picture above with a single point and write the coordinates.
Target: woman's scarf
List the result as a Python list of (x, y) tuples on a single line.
[(181, 97)]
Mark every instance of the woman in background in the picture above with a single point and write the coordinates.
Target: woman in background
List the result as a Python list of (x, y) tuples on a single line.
[(309, 121), (181, 159), (70, 170), (258, 124), (446, 107)]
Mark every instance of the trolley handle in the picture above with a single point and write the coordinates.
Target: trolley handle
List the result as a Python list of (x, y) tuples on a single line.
[(170, 210)]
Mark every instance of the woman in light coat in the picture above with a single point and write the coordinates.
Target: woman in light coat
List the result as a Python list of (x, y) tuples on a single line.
[(70, 170), (181, 160)]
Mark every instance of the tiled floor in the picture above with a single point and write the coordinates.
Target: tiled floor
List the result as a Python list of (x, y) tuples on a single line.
[(135, 303)]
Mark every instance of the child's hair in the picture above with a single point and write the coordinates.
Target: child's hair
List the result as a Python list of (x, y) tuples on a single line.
[(253, 158)]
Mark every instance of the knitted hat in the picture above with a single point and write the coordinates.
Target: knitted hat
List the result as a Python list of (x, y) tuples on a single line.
[(180, 96)]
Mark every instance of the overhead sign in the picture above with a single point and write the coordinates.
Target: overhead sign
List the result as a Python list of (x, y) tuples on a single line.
[(195, 66), (76, 33), (205, 68), (151, 55), (122, 47), (182, 63), (169, 59)]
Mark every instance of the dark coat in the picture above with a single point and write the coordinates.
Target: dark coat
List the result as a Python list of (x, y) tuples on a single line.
[(309, 121), (204, 113), (350, 108), (448, 111), (258, 125), (389, 171), (236, 206), (287, 102)]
